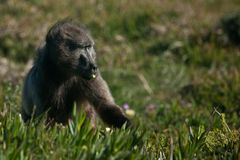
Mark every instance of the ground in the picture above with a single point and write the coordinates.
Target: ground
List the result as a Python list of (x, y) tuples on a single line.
[(173, 65)]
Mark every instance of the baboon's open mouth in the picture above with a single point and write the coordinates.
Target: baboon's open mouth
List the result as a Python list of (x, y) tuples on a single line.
[(91, 76), (88, 75), (94, 76)]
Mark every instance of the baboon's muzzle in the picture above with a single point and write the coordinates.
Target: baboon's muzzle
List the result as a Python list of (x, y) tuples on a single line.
[(89, 72), (93, 71)]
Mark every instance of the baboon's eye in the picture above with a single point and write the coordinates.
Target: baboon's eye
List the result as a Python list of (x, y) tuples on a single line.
[(88, 46), (72, 46)]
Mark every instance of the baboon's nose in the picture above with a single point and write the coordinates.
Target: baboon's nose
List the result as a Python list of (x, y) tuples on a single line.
[(93, 67)]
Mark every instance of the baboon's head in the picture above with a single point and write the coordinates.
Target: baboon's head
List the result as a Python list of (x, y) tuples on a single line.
[(70, 49)]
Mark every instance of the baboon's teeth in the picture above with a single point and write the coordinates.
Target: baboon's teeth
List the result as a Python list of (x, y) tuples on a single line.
[(93, 76)]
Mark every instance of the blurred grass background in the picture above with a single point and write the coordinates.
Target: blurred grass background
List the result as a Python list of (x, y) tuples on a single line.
[(175, 63)]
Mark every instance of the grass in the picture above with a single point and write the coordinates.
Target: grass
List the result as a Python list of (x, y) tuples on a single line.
[(183, 88)]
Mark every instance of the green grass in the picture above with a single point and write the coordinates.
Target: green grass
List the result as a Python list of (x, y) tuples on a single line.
[(184, 90)]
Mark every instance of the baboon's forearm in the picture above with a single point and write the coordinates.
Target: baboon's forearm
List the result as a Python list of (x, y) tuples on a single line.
[(104, 104)]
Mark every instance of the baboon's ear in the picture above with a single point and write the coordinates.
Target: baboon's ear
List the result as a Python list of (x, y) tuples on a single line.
[(54, 35)]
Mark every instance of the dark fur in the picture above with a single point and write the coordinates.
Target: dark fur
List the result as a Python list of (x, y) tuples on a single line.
[(57, 79)]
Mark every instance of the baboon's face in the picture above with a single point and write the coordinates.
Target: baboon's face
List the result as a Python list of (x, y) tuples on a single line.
[(72, 49)]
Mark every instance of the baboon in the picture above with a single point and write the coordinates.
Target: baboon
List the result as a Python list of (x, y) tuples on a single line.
[(65, 72)]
